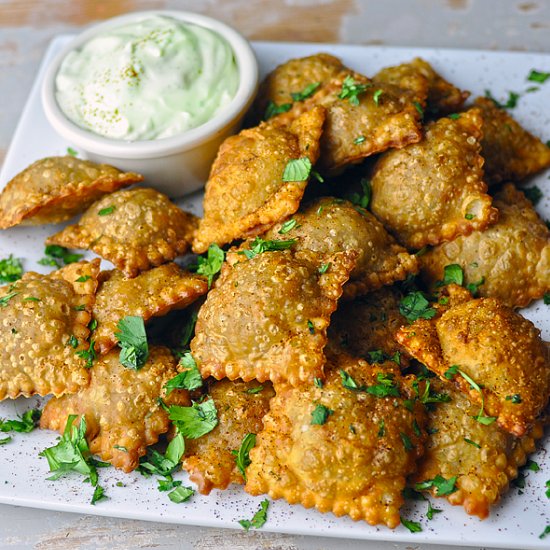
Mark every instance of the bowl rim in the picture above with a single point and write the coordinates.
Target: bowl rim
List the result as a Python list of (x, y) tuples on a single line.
[(88, 141)]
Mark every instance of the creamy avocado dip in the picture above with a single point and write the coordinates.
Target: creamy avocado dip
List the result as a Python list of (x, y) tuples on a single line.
[(150, 79)]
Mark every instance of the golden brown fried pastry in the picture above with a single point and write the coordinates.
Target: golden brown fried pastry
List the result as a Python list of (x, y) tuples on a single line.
[(123, 415), (497, 349), (245, 193), (135, 230), (408, 79), (372, 121), (266, 318), (54, 189), (330, 225), (43, 326), (341, 450), (511, 257), (483, 458), (293, 77), (209, 460), (367, 326), (510, 151), (153, 293), (433, 191)]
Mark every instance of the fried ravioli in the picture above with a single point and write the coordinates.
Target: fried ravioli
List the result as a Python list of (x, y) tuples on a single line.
[(511, 258), (246, 193), (241, 406), (483, 458), (346, 451), (135, 230), (492, 354), (511, 153), (330, 225), (433, 191), (367, 326), (123, 415), (54, 189), (152, 293), (266, 318), (44, 327)]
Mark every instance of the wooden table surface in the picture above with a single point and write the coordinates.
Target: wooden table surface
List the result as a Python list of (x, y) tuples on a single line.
[(27, 26)]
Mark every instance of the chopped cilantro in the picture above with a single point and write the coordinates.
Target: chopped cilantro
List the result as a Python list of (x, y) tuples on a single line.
[(106, 211), (5, 299), (31, 299), (6, 440), (442, 486), (538, 76), (415, 306), (259, 246), (480, 417), (189, 379), (99, 494), (72, 152), (320, 415), (210, 265), (516, 398), (26, 423), (11, 269), (412, 526), (57, 256), (546, 298), (454, 116), (359, 139), (154, 463), (452, 274), (83, 279), (451, 371), (511, 102), (351, 90), (376, 356), (545, 532), (259, 518), (474, 287), (547, 485), (419, 108), (273, 109), (297, 169), (167, 484), (534, 194), (308, 91), (348, 382), (473, 443), (376, 96), (469, 216), (195, 421), (132, 340), (255, 390), (324, 268), (362, 200), (181, 494), (72, 341), (318, 382), (432, 511), (242, 458), (120, 448), (385, 387), (92, 325), (406, 441), (287, 226), (310, 327)]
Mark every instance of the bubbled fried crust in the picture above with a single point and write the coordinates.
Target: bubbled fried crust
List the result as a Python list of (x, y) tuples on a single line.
[(54, 189), (433, 191), (40, 315), (483, 458), (293, 76), (408, 78), (152, 293), (510, 151), (369, 323), (245, 193), (392, 120), (123, 415), (349, 465), (209, 460), (330, 225), (267, 317), (143, 229), (496, 347), (512, 256)]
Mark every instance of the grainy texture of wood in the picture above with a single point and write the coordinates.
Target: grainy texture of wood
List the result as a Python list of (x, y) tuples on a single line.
[(27, 26)]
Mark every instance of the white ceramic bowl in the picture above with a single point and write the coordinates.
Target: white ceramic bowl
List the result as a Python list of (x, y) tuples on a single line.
[(176, 165)]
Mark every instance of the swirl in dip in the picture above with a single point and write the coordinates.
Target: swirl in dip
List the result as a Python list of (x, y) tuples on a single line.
[(150, 79)]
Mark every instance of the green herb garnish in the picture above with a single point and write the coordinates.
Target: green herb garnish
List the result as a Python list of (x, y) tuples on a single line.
[(511, 102), (359, 139), (242, 458), (362, 200), (308, 91), (11, 269), (259, 518), (352, 90), (538, 76), (273, 109), (195, 421), (5, 299), (534, 194), (473, 443), (253, 391), (190, 379), (132, 340), (415, 306), (376, 96), (442, 486), (287, 226), (259, 246), (26, 423), (210, 265), (181, 494), (89, 355), (57, 256), (106, 211), (452, 274), (474, 287), (324, 268), (320, 415), (297, 169), (412, 526)]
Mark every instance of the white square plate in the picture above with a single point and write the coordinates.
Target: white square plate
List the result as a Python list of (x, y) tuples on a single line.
[(515, 523)]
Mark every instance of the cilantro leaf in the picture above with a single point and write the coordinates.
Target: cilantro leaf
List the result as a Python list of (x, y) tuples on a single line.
[(407, 443), (419, 108), (99, 494), (348, 382), (57, 256), (538, 76), (515, 399), (362, 200), (5, 299), (189, 379), (89, 355), (106, 211), (385, 387), (412, 526), (297, 169), (431, 511), (212, 264), (351, 90), (255, 390), (6, 440), (359, 139), (132, 340), (11, 269), (167, 484), (324, 268), (545, 532), (273, 109), (546, 298), (259, 246), (534, 194), (181, 494), (308, 91), (376, 96), (195, 421), (154, 463), (258, 519), (242, 458), (415, 306), (442, 486), (287, 226), (72, 152), (473, 443), (452, 274), (26, 423), (320, 415), (511, 102)]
